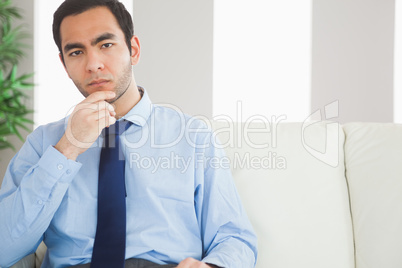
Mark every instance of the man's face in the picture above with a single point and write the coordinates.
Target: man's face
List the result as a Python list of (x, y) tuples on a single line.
[(95, 53)]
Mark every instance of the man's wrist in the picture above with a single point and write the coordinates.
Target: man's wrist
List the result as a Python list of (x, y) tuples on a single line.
[(66, 149)]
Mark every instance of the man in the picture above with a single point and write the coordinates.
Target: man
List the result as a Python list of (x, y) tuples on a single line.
[(185, 215)]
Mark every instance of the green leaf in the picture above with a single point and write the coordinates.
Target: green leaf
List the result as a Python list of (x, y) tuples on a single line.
[(5, 131), (13, 111), (13, 73)]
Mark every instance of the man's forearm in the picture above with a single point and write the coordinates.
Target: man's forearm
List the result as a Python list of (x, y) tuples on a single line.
[(27, 204)]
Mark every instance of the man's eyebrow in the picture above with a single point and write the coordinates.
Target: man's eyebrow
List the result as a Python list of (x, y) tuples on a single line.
[(102, 37), (70, 46), (95, 41)]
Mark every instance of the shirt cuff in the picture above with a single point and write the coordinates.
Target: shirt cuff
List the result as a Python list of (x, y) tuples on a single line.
[(231, 253), (58, 167)]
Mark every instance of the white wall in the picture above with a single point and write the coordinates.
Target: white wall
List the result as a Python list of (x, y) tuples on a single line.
[(176, 60), (353, 58), (398, 63), (197, 56), (351, 62)]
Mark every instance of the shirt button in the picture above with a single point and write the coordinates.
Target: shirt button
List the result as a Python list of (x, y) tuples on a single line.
[(68, 171), (60, 166), (40, 202)]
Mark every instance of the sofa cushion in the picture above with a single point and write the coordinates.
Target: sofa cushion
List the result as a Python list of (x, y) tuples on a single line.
[(294, 191), (373, 154), (40, 254), (26, 262)]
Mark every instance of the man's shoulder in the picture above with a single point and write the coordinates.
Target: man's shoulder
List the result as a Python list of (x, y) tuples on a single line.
[(174, 115)]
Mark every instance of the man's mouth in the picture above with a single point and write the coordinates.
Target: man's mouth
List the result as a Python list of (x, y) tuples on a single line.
[(98, 83)]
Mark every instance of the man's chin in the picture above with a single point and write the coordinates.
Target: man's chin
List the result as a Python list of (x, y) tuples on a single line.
[(112, 100)]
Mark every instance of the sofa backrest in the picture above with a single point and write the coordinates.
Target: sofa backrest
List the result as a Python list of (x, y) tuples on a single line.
[(294, 191), (373, 156)]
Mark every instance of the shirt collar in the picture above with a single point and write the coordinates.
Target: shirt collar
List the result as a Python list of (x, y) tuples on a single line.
[(140, 113)]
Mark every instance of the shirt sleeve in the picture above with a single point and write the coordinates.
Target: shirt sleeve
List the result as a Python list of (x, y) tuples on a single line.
[(34, 185), (228, 236)]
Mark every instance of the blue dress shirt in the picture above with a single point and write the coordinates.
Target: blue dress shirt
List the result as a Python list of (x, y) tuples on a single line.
[(181, 199)]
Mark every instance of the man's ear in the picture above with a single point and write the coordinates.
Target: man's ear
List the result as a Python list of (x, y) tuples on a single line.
[(64, 65), (135, 50)]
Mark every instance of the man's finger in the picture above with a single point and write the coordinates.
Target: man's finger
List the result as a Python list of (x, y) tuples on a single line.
[(100, 96), (103, 105), (96, 107), (106, 121), (103, 113)]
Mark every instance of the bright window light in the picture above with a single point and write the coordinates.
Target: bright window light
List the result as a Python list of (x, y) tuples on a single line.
[(55, 93), (262, 58)]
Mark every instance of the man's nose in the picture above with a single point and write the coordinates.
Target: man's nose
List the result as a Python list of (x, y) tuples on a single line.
[(94, 62)]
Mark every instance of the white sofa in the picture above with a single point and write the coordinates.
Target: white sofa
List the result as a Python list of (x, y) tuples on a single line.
[(319, 195)]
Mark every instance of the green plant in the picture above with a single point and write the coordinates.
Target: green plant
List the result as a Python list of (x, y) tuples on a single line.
[(13, 111)]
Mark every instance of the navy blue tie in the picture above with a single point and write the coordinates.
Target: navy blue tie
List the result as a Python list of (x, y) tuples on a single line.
[(110, 239)]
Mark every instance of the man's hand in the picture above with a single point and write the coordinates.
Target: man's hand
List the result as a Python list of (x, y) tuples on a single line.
[(86, 122), (193, 263)]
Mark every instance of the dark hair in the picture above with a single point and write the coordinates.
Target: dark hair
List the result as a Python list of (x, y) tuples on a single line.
[(75, 7)]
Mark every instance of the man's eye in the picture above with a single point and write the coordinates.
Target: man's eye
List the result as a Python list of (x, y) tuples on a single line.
[(107, 45), (75, 53)]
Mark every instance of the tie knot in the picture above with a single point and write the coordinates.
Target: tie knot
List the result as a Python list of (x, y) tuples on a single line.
[(117, 128)]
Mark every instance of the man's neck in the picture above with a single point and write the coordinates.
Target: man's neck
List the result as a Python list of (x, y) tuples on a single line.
[(127, 101)]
